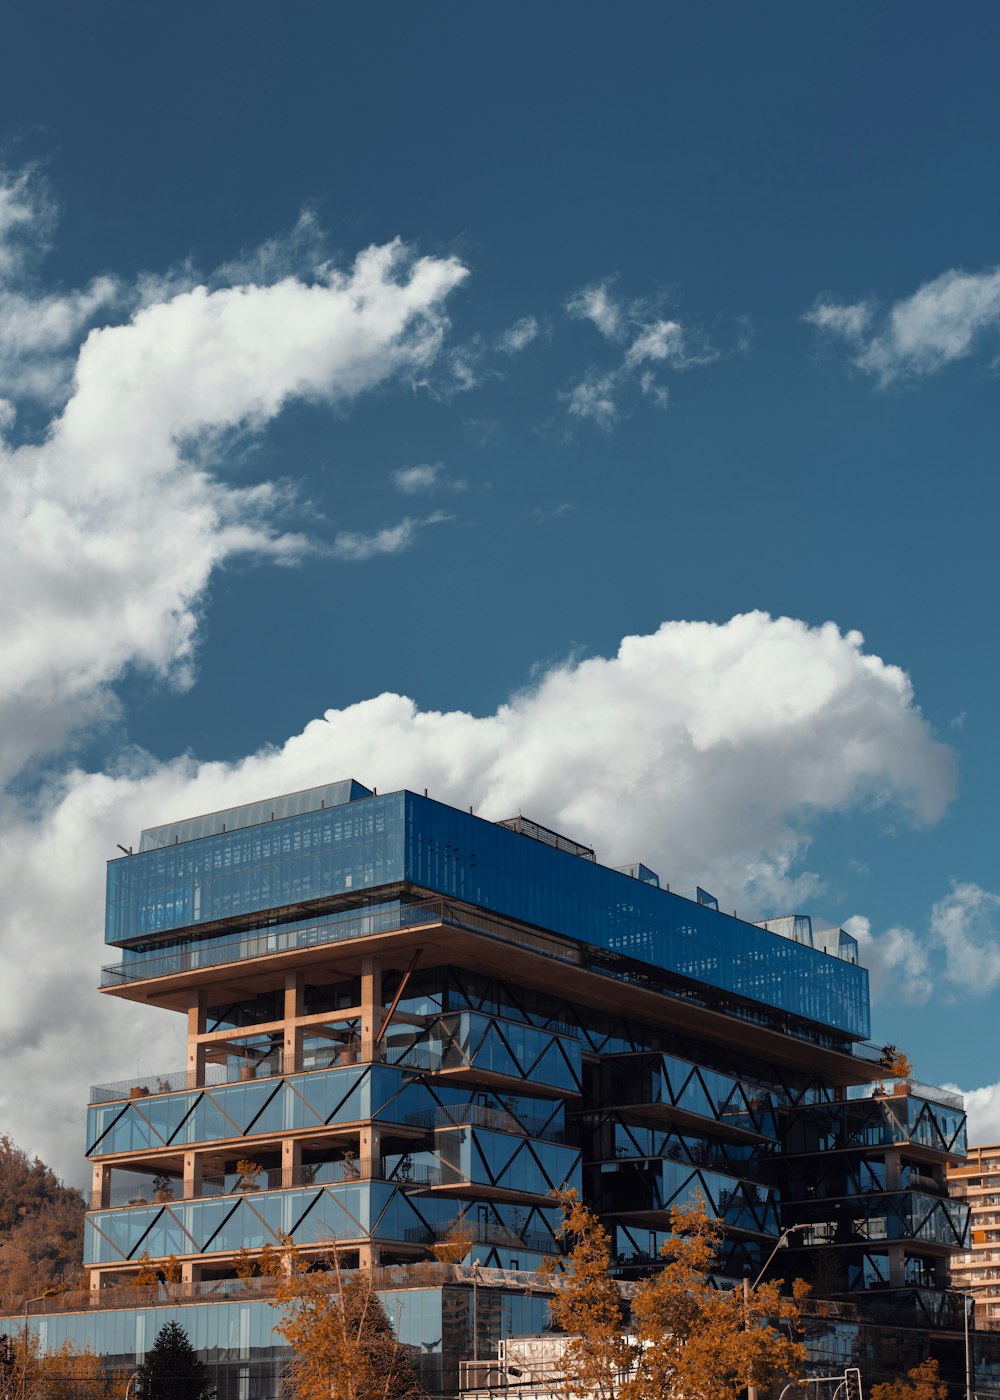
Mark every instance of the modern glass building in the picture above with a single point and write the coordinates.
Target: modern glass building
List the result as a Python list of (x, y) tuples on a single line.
[(407, 1026)]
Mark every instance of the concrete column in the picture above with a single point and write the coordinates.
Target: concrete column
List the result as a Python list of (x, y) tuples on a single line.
[(372, 1010), (196, 1027), (370, 1151), (897, 1262), (190, 1273), (291, 1161), (100, 1187), (192, 1175), (293, 1008), (893, 1171), (368, 1256), (96, 1280)]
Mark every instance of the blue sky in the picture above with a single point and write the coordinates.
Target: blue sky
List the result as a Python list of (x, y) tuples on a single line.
[(694, 316)]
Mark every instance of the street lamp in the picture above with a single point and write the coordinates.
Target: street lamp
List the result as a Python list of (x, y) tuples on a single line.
[(24, 1343), (134, 1380), (749, 1287)]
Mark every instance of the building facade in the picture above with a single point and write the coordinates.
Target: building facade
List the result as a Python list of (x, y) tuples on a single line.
[(407, 1026), (976, 1183)]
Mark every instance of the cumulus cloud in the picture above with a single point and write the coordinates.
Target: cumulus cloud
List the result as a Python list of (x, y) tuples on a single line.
[(518, 336), (706, 750), (113, 523), (944, 320), (983, 1109), (898, 963)]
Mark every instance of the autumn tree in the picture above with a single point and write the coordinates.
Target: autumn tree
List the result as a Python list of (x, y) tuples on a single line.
[(41, 1227), (587, 1305), (172, 1370), (458, 1240), (342, 1345), (704, 1342), (67, 1373), (923, 1382), (895, 1062)]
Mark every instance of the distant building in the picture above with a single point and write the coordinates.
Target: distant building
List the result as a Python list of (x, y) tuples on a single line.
[(976, 1183), (407, 1025)]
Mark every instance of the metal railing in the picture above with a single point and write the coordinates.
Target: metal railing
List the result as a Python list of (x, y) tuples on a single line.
[(331, 928), (429, 1273), (484, 1116), (907, 1088), (420, 1058), (330, 1173), (486, 1233), (239, 947)]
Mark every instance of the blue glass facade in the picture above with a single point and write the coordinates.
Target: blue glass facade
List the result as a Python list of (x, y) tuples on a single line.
[(360, 1076), (378, 841)]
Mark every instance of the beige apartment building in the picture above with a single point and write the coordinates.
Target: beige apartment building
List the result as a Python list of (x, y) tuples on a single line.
[(977, 1270)]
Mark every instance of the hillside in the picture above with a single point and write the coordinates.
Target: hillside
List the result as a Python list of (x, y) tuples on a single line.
[(41, 1227)]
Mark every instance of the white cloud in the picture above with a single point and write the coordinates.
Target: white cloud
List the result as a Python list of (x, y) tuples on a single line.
[(595, 398), (596, 304), (112, 525), (518, 336), (411, 480), (897, 961), (966, 925), (659, 340), (354, 546), (649, 339), (848, 321), (943, 321), (739, 736), (983, 1109)]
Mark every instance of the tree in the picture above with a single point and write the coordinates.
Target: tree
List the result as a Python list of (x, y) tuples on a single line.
[(67, 1373), (146, 1276), (41, 1227), (588, 1306), (703, 1342), (895, 1062), (922, 1383), (458, 1240), (343, 1347), (172, 1371)]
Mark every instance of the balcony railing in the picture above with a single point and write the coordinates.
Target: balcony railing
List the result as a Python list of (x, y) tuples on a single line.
[(236, 1184), (331, 928), (484, 1116), (487, 1233), (275, 1063), (394, 1276), (907, 1088)]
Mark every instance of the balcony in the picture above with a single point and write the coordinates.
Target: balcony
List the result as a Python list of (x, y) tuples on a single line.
[(275, 1064)]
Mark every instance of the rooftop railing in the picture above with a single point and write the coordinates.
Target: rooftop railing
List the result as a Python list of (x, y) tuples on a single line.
[(907, 1088)]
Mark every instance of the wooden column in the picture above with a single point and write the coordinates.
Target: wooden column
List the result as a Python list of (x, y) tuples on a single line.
[(372, 1011), (196, 1027), (192, 1175), (370, 1153), (293, 1009), (100, 1187), (291, 1161)]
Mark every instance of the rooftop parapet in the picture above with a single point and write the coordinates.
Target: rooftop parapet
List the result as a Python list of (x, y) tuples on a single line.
[(269, 809)]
